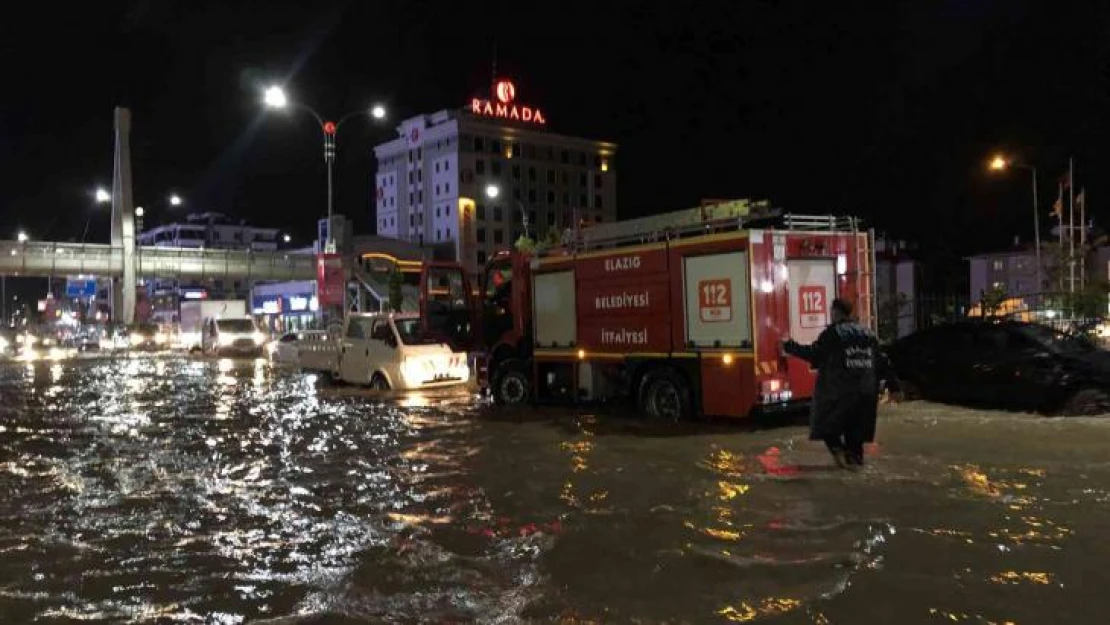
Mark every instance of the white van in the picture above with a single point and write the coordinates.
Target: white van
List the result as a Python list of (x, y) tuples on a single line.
[(389, 351), (231, 336)]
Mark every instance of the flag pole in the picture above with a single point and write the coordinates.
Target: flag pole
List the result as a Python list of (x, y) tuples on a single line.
[(1059, 209), (1083, 239), (1071, 224)]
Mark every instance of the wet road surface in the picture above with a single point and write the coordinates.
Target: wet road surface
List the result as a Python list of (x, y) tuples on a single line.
[(162, 489)]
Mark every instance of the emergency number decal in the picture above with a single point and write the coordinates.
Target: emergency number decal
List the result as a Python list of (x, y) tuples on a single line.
[(813, 305), (715, 300)]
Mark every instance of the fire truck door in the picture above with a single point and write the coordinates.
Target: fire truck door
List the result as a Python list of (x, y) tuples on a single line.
[(812, 288), (446, 310)]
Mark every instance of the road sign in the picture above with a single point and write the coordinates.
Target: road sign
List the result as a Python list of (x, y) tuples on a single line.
[(81, 287)]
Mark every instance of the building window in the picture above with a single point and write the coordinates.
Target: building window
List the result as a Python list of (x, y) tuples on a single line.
[(566, 199), (412, 221), (481, 257), (498, 237), (516, 172), (447, 210), (1001, 286), (420, 219), (447, 234), (497, 214), (437, 235), (480, 211), (420, 197), (564, 157), (597, 181), (480, 235), (566, 177), (550, 218), (598, 219), (550, 197), (495, 147), (531, 217), (516, 193), (447, 187), (597, 201), (582, 201), (419, 153), (479, 166), (516, 149), (998, 265), (551, 176), (420, 175), (447, 163), (531, 174), (516, 236), (529, 150), (437, 189), (411, 199), (437, 167), (495, 167), (532, 196), (582, 179), (478, 147), (412, 177), (437, 211)]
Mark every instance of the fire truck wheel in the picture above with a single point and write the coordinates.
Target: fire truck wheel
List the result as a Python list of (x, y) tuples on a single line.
[(510, 383), (665, 395)]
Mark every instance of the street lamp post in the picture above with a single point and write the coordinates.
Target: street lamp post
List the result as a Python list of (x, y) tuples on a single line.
[(274, 97), (1001, 163), (493, 191)]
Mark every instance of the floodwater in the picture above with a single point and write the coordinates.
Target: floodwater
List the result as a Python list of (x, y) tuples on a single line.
[(162, 489)]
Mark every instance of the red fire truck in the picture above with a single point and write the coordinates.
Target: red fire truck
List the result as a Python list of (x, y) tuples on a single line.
[(682, 313)]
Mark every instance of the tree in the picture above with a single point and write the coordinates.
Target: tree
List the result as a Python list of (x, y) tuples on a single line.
[(396, 295), (992, 300), (525, 244)]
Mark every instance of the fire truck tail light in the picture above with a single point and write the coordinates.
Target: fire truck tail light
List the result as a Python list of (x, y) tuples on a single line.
[(727, 359), (771, 386)]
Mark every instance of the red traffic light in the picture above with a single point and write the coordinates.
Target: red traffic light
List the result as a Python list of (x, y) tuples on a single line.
[(329, 128)]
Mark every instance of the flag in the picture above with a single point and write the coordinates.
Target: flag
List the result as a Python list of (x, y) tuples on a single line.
[(1058, 205)]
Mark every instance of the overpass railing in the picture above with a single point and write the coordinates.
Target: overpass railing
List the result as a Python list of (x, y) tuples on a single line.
[(60, 259)]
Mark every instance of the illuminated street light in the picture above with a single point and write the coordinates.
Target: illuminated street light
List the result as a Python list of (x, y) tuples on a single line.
[(1000, 163), (274, 97), (102, 195), (139, 212), (22, 236), (287, 238), (175, 200), (492, 191)]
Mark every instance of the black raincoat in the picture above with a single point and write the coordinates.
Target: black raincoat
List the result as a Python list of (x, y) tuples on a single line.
[(846, 398)]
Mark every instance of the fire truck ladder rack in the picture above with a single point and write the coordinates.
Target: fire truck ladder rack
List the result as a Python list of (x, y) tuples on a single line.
[(721, 217)]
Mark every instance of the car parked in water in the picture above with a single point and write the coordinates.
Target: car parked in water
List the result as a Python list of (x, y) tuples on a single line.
[(1005, 364), (287, 349)]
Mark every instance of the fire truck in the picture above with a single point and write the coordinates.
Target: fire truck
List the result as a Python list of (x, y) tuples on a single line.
[(682, 313)]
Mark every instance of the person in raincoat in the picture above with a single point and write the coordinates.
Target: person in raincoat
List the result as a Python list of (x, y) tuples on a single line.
[(845, 399)]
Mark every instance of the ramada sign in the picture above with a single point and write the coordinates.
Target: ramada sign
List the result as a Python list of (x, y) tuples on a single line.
[(503, 105)]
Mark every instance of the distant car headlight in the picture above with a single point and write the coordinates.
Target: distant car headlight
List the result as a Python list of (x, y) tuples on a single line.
[(3, 343), (259, 338)]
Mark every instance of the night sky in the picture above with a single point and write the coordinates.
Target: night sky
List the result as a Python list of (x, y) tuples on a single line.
[(887, 110)]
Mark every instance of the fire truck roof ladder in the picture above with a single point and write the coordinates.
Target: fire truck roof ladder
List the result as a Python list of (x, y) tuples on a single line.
[(677, 224)]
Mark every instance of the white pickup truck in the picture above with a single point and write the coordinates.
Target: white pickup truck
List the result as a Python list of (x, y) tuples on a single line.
[(385, 351)]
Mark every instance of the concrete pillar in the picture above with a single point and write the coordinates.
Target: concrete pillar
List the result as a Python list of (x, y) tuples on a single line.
[(123, 221)]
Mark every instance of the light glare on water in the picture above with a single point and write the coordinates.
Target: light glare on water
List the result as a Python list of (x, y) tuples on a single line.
[(164, 489)]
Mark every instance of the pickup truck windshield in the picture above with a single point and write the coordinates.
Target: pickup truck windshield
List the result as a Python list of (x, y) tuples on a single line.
[(236, 326), (410, 332)]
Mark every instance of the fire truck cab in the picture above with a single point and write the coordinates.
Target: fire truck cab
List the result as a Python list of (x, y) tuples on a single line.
[(682, 313)]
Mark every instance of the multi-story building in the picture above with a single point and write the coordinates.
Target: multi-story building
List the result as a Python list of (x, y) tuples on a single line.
[(433, 180), (205, 231), (1013, 273)]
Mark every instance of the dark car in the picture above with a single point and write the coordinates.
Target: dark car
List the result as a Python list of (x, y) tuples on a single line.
[(1005, 364)]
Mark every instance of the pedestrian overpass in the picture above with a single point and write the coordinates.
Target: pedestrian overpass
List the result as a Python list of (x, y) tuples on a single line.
[(45, 259)]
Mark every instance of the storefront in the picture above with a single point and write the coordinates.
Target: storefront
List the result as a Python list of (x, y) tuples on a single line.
[(286, 306)]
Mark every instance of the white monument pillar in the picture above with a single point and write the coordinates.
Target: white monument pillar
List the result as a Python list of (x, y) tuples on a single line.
[(123, 221)]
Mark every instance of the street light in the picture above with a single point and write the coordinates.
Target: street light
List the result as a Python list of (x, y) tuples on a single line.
[(139, 212), (492, 191), (1000, 163), (175, 200), (22, 236), (286, 238), (102, 195), (274, 97)]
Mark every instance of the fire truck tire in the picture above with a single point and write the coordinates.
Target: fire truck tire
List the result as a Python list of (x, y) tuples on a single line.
[(510, 383), (665, 395)]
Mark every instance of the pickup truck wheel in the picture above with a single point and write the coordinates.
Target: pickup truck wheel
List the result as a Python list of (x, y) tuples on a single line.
[(378, 383), (664, 395), (511, 383)]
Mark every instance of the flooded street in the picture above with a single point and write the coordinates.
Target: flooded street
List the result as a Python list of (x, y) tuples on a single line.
[(162, 489)]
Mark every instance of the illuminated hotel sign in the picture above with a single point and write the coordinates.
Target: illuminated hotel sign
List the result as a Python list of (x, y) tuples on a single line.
[(503, 105)]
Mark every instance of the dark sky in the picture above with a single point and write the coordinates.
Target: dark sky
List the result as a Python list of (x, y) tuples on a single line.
[(882, 109)]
